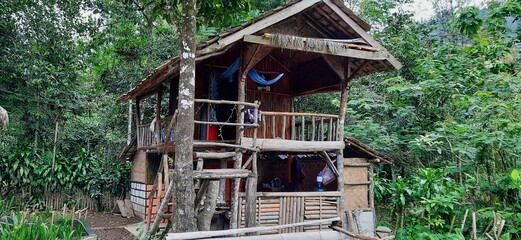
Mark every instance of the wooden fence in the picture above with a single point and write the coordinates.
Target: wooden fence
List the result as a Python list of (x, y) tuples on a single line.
[(55, 200)]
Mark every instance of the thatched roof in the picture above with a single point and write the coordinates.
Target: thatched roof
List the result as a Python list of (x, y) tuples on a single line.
[(354, 146), (4, 119), (338, 26)]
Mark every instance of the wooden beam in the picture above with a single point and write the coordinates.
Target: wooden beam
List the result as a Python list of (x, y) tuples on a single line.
[(209, 234), (366, 36), (345, 52), (221, 173), (214, 155), (329, 163), (281, 145)]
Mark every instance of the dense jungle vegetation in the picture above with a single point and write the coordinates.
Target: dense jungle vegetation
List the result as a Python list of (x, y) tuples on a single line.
[(450, 118)]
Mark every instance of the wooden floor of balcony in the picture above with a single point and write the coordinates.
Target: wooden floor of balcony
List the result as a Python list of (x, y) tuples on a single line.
[(283, 145), (262, 145)]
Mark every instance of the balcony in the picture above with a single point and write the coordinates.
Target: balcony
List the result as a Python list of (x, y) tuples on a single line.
[(264, 130)]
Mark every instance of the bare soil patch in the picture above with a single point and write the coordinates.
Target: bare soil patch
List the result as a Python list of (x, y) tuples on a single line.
[(109, 226)]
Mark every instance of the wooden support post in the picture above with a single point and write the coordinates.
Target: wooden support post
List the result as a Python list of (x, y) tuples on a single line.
[(340, 136), (139, 135), (157, 132), (241, 96), (249, 213), (251, 190)]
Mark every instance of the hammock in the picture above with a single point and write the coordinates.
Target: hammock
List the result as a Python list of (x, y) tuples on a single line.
[(256, 77)]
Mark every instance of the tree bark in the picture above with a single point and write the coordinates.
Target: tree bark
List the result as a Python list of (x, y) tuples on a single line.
[(4, 119), (204, 217), (183, 215)]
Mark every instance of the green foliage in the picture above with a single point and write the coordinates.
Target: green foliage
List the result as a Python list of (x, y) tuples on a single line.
[(42, 225), (37, 174)]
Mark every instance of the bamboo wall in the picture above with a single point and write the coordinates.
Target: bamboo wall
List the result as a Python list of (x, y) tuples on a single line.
[(357, 196), (278, 208)]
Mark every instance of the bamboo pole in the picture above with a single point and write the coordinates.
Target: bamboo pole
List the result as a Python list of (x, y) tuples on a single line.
[(464, 219), (54, 148), (474, 233)]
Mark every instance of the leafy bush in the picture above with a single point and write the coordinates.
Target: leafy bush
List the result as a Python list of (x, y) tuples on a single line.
[(430, 204), (30, 174), (45, 225)]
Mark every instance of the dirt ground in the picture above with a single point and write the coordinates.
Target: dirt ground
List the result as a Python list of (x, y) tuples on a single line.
[(108, 226)]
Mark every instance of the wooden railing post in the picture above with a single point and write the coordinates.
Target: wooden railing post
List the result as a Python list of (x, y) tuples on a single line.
[(302, 137), (293, 129)]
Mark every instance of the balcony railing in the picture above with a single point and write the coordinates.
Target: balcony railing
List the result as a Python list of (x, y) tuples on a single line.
[(298, 126), (272, 125)]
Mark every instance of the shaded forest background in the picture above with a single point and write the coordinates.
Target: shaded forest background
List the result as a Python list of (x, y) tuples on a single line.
[(450, 118)]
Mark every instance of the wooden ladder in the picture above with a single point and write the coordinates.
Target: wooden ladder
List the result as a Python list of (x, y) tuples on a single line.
[(203, 176)]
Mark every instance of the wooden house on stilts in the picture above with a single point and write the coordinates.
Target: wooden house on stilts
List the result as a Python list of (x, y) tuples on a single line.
[(265, 155)]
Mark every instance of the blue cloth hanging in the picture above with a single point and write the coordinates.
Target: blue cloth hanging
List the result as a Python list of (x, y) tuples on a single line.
[(231, 70), (256, 77)]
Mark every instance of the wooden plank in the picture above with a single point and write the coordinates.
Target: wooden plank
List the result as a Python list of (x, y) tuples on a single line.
[(268, 145), (346, 51)]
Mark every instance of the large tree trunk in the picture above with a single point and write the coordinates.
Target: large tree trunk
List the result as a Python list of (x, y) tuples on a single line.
[(4, 119), (184, 195), (207, 208)]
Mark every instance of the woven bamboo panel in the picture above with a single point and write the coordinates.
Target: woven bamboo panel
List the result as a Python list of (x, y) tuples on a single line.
[(356, 196), (355, 174)]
